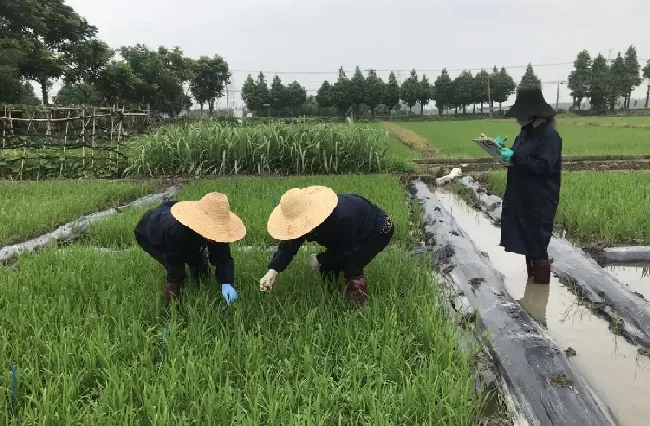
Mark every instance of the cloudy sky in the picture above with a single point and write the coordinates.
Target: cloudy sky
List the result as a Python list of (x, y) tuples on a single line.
[(309, 40)]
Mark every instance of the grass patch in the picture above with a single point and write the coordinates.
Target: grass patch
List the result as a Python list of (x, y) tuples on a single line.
[(32, 208), (208, 147), (85, 332), (599, 207), (454, 139), (253, 200), (407, 138)]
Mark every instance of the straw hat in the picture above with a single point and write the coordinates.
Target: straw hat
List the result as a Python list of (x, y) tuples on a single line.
[(300, 211), (211, 218)]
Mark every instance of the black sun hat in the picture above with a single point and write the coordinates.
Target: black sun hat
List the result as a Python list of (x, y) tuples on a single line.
[(530, 103)]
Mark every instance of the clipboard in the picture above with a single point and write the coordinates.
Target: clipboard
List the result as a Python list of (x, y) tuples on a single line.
[(491, 147)]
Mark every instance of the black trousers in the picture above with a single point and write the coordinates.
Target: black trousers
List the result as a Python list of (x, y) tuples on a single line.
[(368, 250)]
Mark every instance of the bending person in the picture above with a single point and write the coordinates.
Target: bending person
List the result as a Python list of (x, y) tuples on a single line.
[(178, 233), (352, 229), (533, 184)]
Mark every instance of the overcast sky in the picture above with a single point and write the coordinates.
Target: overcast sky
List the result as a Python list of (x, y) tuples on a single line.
[(321, 35)]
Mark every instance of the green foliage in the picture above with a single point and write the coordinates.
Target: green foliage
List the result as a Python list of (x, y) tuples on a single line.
[(618, 81), (392, 93), (296, 96), (358, 86), (118, 83), (425, 93), (481, 87), (529, 80), (278, 95), (375, 91), (410, 91), (632, 68), (208, 80), (463, 90), (78, 94), (600, 84), (443, 88), (342, 96), (325, 95), (211, 148), (579, 81)]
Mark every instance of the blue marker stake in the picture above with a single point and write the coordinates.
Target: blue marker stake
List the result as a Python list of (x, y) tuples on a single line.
[(14, 380), (164, 344)]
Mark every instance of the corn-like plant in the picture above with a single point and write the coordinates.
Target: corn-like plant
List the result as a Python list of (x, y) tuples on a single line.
[(212, 148)]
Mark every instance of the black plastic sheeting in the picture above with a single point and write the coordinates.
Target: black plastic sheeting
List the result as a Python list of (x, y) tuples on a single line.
[(73, 230), (627, 312), (545, 387)]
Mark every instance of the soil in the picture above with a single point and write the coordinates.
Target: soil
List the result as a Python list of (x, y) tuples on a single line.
[(560, 380)]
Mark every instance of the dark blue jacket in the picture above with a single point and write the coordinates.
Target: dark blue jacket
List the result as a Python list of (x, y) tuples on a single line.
[(180, 245), (532, 191), (353, 220)]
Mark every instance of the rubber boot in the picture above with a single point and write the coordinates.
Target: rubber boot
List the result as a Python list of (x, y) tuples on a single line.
[(173, 291), (542, 271), (357, 289), (529, 267)]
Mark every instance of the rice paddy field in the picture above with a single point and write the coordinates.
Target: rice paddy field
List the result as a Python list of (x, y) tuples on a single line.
[(454, 138), (609, 208), (33, 208), (92, 344)]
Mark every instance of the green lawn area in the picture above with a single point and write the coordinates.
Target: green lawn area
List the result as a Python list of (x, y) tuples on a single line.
[(29, 209), (454, 138), (600, 207), (85, 331), (619, 121)]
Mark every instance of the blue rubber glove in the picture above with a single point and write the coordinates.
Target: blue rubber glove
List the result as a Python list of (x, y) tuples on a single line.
[(229, 293), (506, 154)]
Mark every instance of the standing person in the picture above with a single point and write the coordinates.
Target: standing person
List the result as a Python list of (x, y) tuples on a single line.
[(533, 183), (178, 233), (352, 229)]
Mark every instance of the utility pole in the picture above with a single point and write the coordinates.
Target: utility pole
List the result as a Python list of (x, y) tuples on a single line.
[(557, 98)]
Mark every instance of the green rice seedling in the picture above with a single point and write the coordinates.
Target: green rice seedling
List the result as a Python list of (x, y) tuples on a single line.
[(31, 208), (253, 200), (212, 148), (85, 330), (600, 207), (454, 138)]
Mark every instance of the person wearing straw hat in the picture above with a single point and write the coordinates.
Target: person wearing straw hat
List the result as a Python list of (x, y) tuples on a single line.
[(193, 233), (533, 183), (352, 229)]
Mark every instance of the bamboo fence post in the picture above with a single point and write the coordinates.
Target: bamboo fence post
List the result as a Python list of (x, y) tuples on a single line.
[(65, 144), (92, 140), (4, 127), (83, 137)]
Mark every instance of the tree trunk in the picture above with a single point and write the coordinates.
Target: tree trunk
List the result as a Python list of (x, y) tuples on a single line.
[(647, 96), (201, 104), (421, 109), (464, 109), (43, 84), (456, 111), (410, 108), (482, 107), (474, 110)]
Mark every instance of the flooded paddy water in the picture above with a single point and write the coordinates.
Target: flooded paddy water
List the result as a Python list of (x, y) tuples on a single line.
[(635, 275), (612, 366)]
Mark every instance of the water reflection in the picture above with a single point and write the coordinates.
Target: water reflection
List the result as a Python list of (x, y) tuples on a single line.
[(535, 301)]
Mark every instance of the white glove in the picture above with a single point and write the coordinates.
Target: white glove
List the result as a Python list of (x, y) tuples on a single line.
[(267, 281), (312, 262)]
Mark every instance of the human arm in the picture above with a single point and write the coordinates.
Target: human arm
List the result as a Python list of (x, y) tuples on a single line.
[(544, 160), (285, 253), (221, 259)]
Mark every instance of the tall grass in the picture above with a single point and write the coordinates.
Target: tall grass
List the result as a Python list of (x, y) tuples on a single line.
[(211, 148), (600, 207)]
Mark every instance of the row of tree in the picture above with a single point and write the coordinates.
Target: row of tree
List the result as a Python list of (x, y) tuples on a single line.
[(279, 100), (47, 40), (361, 93), (604, 84)]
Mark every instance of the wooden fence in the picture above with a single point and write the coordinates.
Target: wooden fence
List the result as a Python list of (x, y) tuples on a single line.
[(50, 142)]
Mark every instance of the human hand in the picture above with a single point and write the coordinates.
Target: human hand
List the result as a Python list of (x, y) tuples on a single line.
[(506, 154), (313, 263), (267, 281), (229, 293), (500, 142)]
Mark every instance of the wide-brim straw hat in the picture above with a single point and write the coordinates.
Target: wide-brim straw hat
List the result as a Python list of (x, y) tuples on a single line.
[(211, 218), (300, 211), (530, 103)]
